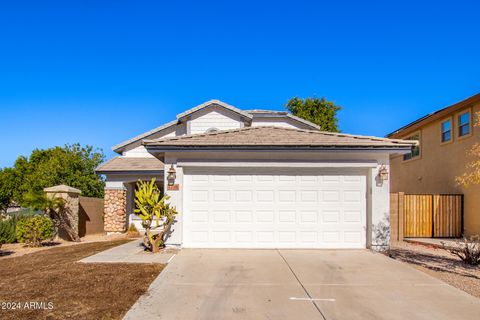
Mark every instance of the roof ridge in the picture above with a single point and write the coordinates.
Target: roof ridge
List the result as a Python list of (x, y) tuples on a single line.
[(203, 134), (217, 102)]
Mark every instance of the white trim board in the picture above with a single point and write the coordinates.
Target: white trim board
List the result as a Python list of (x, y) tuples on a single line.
[(270, 164)]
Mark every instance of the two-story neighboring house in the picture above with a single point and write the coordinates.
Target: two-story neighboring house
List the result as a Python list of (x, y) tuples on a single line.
[(431, 167), (256, 179)]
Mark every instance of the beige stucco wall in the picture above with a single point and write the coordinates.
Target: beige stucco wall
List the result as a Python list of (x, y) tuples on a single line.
[(438, 165)]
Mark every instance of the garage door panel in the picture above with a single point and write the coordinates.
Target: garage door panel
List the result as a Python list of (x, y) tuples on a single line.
[(265, 216), (308, 217), (268, 210), (308, 195), (243, 216), (352, 216), (200, 216), (266, 236)]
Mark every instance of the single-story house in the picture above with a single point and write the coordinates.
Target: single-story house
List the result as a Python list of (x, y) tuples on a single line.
[(256, 179)]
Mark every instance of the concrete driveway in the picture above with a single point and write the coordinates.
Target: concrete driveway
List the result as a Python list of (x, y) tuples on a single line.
[(298, 284)]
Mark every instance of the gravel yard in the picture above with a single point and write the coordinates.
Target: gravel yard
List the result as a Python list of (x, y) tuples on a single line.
[(440, 264)]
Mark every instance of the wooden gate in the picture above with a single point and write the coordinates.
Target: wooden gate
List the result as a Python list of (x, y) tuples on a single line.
[(418, 215), (428, 215), (447, 216)]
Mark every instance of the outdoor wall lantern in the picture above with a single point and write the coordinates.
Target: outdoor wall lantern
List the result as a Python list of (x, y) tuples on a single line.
[(172, 175), (383, 173)]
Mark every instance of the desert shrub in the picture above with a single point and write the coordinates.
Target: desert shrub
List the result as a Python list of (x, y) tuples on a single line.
[(34, 230), (468, 250)]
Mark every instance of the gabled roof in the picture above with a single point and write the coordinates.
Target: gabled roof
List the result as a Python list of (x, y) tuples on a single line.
[(130, 164), (249, 114), (214, 102), (415, 125), (275, 137), (118, 147)]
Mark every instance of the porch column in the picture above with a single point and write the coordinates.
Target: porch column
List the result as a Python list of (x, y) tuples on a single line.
[(115, 209)]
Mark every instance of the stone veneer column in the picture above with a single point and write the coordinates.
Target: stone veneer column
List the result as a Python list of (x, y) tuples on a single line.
[(70, 196), (115, 210)]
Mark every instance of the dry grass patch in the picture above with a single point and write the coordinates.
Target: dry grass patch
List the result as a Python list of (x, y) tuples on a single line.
[(77, 290)]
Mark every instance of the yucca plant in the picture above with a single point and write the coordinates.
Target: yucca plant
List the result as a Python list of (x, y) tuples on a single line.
[(151, 206)]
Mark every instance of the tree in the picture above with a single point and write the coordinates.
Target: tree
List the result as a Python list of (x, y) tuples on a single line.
[(150, 206), (472, 172), (73, 165), (319, 111), (7, 185)]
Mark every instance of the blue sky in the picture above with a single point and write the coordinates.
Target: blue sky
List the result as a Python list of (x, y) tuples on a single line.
[(100, 72)]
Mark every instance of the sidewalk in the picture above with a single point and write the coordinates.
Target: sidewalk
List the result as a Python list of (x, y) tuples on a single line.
[(131, 252)]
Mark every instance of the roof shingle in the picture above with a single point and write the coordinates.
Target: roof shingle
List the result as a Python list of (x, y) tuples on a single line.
[(277, 137), (122, 164)]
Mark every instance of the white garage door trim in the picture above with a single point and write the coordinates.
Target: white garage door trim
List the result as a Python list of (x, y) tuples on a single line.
[(274, 208)]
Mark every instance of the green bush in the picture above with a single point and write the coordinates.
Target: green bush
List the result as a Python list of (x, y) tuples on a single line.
[(33, 230), (7, 230), (9, 221)]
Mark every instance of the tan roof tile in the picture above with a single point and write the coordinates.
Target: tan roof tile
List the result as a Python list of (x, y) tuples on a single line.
[(277, 137), (121, 164)]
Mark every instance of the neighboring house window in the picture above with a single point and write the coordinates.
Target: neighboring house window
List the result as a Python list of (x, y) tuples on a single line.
[(211, 130), (415, 150), (464, 124), (446, 131)]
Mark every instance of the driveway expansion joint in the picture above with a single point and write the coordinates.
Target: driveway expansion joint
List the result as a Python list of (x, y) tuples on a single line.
[(310, 298)]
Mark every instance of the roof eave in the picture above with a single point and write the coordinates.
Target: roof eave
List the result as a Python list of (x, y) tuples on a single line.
[(157, 171), (165, 148), (120, 147), (306, 122)]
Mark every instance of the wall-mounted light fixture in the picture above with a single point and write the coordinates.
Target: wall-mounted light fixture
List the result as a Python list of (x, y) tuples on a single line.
[(383, 173), (172, 175)]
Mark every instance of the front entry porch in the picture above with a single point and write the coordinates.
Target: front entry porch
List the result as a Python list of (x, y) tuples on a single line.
[(120, 200)]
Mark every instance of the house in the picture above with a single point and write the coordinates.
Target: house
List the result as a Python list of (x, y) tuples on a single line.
[(445, 137), (256, 179)]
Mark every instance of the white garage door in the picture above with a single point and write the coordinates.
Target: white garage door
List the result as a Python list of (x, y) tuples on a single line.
[(274, 208)]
